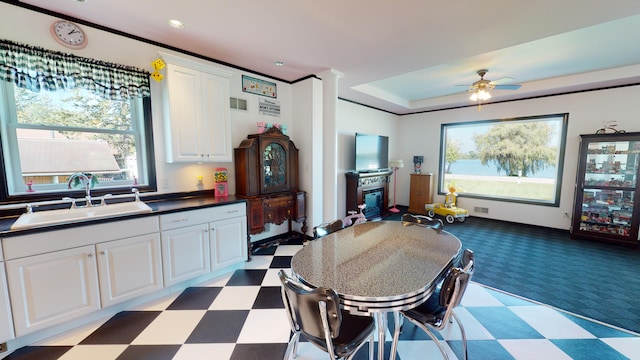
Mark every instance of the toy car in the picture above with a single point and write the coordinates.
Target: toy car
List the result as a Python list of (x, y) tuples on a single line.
[(448, 209)]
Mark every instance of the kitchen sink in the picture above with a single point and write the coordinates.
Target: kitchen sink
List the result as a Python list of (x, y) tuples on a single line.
[(62, 216)]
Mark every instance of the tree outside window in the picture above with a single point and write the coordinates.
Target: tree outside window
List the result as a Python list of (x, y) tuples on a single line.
[(62, 114), (517, 160)]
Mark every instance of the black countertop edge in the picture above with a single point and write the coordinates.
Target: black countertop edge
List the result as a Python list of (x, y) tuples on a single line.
[(160, 205)]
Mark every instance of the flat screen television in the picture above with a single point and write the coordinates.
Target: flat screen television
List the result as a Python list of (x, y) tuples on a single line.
[(372, 152)]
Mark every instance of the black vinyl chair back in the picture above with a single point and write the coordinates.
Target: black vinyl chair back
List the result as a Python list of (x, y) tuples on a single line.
[(437, 311), (316, 314), (462, 275), (327, 228), (410, 219)]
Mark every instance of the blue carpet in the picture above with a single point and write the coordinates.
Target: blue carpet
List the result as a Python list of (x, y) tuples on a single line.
[(593, 279)]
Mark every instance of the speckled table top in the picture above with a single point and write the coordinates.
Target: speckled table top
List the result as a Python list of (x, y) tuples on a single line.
[(378, 266)]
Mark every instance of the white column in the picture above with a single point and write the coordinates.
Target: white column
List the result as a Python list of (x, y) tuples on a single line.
[(330, 143)]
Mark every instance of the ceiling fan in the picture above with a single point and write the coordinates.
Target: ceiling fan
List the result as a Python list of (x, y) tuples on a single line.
[(480, 89)]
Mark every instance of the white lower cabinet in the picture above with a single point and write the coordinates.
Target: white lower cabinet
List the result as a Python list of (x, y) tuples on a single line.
[(185, 253), (129, 268), (61, 275), (228, 242), (56, 276), (197, 242), (6, 320), (51, 288)]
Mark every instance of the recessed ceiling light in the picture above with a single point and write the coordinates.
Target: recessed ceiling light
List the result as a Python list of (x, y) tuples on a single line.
[(278, 63), (177, 24)]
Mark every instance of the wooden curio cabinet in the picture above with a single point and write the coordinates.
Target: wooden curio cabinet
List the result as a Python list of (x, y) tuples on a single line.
[(606, 199), (267, 176), (420, 192)]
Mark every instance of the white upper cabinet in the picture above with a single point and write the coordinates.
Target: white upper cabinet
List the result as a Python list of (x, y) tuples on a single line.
[(196, 109)]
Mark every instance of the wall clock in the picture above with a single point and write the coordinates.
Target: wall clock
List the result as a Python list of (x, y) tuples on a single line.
[(68, 34)]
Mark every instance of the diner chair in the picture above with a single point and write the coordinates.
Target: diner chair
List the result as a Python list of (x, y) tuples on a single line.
[(410, 219), (437, 311), (327, 228), (316, 314)]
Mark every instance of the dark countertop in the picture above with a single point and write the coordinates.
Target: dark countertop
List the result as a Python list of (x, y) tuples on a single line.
[(159, 205)]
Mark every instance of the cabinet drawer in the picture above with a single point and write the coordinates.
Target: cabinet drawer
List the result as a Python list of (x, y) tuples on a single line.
[(44, 242), (278, 202), (277, 209), (199, 216)]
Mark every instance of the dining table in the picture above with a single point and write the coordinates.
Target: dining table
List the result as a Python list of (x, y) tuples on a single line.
[(379, 267)]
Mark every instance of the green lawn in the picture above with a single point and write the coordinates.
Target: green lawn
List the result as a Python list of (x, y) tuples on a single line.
[(505, 187)]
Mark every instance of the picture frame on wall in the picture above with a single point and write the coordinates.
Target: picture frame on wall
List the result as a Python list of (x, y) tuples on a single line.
[(417, 164), (259, 87)]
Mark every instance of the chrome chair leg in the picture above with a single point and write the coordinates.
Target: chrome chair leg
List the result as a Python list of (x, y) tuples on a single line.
[(424, 328), (292, 347), (463, 335), (397, 318), (381, 322), (371, 349)]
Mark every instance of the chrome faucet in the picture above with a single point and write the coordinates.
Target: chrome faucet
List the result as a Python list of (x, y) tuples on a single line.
[(86, 181)]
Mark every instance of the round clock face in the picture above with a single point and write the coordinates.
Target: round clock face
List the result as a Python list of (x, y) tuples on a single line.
[(68, 34)]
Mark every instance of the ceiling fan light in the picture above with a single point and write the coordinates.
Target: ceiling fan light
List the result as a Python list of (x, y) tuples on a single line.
[(480, 95)]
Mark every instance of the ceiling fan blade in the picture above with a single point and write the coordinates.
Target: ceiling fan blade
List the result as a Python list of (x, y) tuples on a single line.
[(508, 87), (502, 80)]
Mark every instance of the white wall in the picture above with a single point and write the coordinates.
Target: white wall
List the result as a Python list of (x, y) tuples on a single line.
[(352, 118), (25, 26), (32, 28), (420, 135), (308, 115), (409, 135)]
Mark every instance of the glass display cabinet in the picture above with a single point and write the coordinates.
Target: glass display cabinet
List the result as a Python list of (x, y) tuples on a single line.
[(606, 199), (266, 167)]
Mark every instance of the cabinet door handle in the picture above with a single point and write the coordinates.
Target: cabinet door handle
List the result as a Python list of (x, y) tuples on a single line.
[(232, 211), (90, 254), (103, 252)]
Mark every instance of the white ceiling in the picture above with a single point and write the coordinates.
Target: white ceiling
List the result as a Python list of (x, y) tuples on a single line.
[(401, 56)]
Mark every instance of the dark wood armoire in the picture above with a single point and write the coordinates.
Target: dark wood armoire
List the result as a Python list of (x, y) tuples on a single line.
[(266, 167)]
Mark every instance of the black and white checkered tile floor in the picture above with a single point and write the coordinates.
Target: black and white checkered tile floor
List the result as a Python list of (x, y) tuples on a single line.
[(240, 316)]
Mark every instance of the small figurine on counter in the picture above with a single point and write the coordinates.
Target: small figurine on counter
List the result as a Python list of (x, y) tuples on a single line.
[(29, 186)]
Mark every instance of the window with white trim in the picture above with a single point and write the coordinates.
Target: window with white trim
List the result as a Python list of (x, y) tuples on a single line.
[(55, 124), (515, 160)]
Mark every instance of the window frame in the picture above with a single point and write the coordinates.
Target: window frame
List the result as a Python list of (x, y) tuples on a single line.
[(563, 119), (141, 129)]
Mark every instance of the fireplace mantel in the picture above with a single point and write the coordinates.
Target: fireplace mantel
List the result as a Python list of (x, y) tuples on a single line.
[(370, 188)]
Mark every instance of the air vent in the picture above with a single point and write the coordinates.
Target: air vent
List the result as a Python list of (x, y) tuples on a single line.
[(483, 210), (238, 104)]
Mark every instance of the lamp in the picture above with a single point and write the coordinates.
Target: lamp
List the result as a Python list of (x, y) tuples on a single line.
[(395, 164), (481, 93)]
